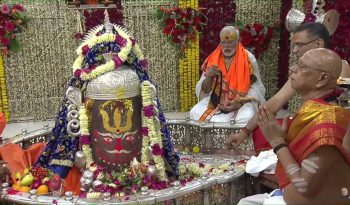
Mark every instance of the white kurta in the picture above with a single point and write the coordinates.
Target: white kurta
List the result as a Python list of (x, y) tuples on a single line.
[(245, 113)]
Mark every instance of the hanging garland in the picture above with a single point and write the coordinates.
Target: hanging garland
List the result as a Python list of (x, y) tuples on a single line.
[(256, 38), (3, 101), (13, 20), (189, 65), (284, 44), (181, 25)]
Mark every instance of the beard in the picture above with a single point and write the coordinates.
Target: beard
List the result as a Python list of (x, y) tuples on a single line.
[(228, 52)]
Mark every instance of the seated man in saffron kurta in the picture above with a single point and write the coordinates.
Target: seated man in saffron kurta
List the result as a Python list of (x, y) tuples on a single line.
[(230, 87), (313, 165)]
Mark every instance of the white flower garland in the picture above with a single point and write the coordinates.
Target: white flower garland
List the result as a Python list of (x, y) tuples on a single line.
[(84, 129), (110, 65), (154, 135)]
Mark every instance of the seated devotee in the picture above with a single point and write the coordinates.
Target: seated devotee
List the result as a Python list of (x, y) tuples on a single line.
[(230, 86), (307, 36), (313, 166)]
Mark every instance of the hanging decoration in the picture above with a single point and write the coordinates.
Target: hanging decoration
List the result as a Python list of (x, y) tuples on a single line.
[(181, 25), (89, 2), (3, 100), (12, 21), (284, 44), (189, 65), (94, 17), (256, 38)]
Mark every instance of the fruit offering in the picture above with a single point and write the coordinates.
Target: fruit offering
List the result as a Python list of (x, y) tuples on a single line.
[(39, 178)]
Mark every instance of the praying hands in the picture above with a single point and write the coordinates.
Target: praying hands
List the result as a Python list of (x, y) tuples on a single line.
[(273, 132)]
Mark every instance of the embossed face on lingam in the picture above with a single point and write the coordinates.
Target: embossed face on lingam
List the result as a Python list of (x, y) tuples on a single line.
[(116, 131)]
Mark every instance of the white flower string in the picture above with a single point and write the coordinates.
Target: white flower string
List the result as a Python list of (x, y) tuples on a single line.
[(153, 136), (112, 64)]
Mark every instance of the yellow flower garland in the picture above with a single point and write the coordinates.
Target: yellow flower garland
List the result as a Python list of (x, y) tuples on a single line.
[(189, 66), (4, 100)]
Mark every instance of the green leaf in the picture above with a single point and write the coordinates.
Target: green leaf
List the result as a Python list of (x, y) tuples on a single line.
[(239, 24), (14, 45)]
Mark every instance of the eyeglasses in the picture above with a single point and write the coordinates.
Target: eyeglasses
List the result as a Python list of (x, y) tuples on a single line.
[(299, 67), (299, 45)]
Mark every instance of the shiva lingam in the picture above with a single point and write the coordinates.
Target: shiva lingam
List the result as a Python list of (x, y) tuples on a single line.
[(115, 107)]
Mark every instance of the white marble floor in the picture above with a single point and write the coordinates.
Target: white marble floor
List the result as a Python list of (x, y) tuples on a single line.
[(13, 129)]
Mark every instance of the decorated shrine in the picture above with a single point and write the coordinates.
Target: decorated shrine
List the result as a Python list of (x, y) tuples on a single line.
[(116, 79)]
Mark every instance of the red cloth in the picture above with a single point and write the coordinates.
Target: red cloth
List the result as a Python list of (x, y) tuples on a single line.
[(73, 181), (18, 159), (259, 141), (2, 122)]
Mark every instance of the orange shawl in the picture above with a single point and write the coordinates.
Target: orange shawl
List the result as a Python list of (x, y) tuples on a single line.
[(317, 123), (238, 76), (18, 159)]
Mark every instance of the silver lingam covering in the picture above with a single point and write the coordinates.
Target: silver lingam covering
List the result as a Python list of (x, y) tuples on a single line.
[(105, 87), (295, 18)]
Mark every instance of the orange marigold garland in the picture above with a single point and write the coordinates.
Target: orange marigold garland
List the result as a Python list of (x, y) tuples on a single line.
[(189, 65)]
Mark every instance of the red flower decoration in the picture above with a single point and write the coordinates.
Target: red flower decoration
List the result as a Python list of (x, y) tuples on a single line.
[(133, 41), (256, 38), (144, 64), (157, 150), (18, 7), (5, 9), (5, 41), (2, 31), (9, 26), (181, 25), (12, 21), (77, 73), (309, 17), (148, 111), (120, 40), (144, 131), (117, 61), (78, 36), (85, 49)]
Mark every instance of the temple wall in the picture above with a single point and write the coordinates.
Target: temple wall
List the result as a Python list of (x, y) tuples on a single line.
[(249, 11), (37, 75)]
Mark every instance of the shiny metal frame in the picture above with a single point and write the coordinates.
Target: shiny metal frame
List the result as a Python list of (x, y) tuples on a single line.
[(226, 188)]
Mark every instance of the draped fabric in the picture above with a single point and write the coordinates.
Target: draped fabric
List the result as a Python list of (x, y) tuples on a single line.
[(317, 123)]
